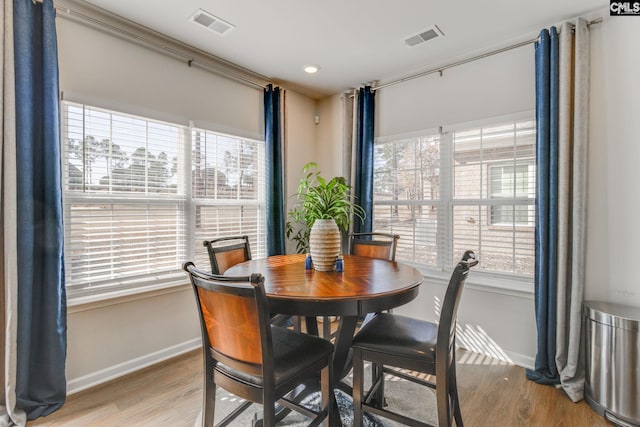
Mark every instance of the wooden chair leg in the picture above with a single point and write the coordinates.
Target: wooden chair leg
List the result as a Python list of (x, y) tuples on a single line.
[(456, 411), (269, 414), (208, 402), (443, 398), (453, 389), (377, 371), (326, 328), (358, 374), (327, 393)]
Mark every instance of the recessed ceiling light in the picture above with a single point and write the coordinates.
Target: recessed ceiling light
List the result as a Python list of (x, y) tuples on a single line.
[(311, 69)]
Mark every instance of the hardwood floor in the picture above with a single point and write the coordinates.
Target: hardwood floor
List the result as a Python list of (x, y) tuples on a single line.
[(493, 393)]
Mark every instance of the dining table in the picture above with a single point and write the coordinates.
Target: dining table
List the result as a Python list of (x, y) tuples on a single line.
[(365, 285)]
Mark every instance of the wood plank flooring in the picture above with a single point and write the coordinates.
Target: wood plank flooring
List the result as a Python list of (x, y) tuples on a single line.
[(493, 393)]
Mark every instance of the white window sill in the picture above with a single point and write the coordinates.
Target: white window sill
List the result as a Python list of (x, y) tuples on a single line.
[(503, 284), (77, 304)]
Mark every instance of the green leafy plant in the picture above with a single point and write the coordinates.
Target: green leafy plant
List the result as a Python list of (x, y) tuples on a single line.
[(319, 198)]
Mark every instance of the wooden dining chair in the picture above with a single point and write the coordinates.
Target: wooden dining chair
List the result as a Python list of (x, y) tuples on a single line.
[(391, 340), (374, 245), (251, 358), (225, 252)]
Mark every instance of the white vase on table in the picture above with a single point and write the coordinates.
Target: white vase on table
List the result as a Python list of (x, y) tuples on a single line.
[(324, 244)]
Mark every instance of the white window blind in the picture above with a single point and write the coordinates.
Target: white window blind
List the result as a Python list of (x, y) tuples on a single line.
[(407, 195), (134, 208), (469, 188), (228, 190)]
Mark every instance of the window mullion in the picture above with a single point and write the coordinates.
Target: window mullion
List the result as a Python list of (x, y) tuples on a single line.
[(482, 196), (189, 214), (111, 231), (444, 234), (515, 195)]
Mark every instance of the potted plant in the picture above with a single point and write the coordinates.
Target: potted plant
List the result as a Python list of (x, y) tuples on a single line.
[(323, 211)]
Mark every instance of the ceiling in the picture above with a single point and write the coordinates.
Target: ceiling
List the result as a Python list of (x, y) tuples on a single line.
[(353, 41)]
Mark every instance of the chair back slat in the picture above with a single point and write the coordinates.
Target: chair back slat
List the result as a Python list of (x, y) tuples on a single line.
[(222, 257), (226, 259), (374, 245), (449, 312), (234, 317), (232, 325), (382, 251)]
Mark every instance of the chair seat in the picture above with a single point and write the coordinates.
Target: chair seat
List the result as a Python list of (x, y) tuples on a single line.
[(292, 353), (400, 336)]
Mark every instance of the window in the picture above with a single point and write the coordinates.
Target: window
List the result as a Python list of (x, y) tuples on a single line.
[(228, 190), (471, 187), (134, 208), (510, 182)]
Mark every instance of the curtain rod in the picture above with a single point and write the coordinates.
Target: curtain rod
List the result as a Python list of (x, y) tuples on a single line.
[(74, 15), (467, 60), (192, 62)]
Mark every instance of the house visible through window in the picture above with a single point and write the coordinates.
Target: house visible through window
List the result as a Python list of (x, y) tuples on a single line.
[(510, 182), (468, 187), (140, 196)]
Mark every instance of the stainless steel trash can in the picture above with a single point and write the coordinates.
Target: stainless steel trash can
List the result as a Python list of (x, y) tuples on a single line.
[(612, 350)]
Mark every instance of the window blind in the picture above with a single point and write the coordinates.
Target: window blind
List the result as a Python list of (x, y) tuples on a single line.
[(228, 190), (140, 195), (469, 188)]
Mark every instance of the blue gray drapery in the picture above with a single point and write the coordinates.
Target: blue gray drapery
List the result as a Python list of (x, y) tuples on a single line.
[(42, 322), (274, 172), (562, 113), (363, 178), (545, 273)]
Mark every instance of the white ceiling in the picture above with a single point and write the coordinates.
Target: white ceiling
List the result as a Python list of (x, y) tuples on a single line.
[(353, 41)]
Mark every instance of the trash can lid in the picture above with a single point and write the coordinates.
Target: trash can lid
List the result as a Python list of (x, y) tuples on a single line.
[(612, 314)]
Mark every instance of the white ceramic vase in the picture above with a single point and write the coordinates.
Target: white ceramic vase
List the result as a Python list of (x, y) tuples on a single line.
[(324, 244)]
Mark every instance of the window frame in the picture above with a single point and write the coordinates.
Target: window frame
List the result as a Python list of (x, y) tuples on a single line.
[(498, 281), (182, 201), (530, 208)]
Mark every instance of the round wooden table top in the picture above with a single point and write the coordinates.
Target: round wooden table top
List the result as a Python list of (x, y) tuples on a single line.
[(366, 285)]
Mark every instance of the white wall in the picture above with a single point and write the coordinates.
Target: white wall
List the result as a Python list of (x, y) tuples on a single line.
[(300, 145), (614, 152), (99, 69), (308, 141), (492, 86), (329, 137)]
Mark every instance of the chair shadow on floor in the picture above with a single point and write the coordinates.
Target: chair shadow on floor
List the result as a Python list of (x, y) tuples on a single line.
[(402, 395)]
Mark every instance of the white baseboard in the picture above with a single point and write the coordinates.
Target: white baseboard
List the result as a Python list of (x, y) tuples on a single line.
[(84, 382), (523, 360), (505, 356)]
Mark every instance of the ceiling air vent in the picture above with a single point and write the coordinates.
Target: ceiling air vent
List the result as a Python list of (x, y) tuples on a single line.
[(213, 23), (423, 36)]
